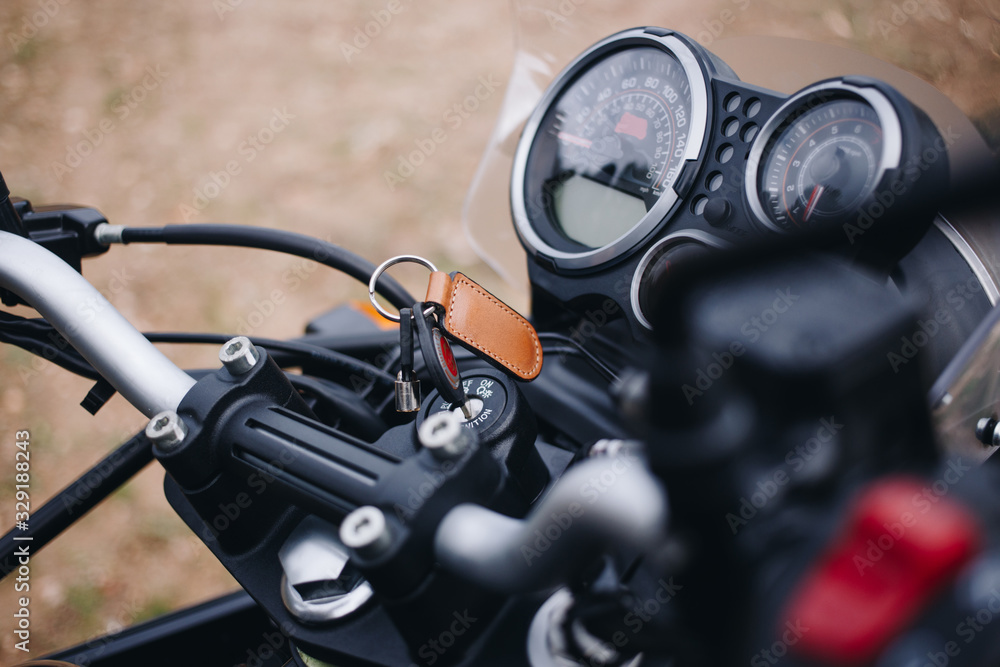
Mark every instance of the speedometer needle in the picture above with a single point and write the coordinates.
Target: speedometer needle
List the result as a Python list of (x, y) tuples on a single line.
[(813, 200), (573, 139)]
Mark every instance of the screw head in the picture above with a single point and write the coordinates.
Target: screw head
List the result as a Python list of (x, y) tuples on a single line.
[(166, 430), (444, 435), (239, 355), (366, 531)]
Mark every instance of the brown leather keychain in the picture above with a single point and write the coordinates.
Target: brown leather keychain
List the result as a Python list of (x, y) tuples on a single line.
[(470, 315), (484, 323)]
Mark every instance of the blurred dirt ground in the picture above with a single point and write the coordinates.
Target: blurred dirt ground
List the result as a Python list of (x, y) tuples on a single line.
[(254, 112), (145, 105)]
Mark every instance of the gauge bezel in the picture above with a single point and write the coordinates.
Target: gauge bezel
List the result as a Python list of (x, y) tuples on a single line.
[(677, 238), (885, 110), (700, 98)]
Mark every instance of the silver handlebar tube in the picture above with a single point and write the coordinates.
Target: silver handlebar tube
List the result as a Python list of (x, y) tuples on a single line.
[(598, 504), (140, 372)]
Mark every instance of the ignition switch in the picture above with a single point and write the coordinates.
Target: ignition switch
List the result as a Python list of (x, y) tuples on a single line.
[(504, 423)]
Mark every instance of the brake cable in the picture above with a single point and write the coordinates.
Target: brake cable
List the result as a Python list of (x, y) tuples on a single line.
[(246, 236)]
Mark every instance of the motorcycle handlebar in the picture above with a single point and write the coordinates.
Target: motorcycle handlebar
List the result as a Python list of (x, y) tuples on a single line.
[(596, 504), (80, 313)]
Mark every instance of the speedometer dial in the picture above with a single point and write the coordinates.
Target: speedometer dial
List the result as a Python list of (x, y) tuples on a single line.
[(599, 160), (618, 139)]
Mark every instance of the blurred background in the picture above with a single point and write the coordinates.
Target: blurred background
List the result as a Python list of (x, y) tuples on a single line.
[(140, 108)]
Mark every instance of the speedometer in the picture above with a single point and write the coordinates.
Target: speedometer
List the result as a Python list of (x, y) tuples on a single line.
[(598, 165), (615, 141)]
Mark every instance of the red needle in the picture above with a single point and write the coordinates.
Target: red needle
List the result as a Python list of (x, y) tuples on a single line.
[(573, 139), (813, 200)]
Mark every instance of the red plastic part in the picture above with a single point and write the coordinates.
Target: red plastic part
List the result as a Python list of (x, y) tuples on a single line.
[(902, 542)]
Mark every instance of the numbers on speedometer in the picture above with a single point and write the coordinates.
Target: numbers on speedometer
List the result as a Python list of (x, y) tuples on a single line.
[(620, 132), (633, 161), (619, 135), (599, 159)]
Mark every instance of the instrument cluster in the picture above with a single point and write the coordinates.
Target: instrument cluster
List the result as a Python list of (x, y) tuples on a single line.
[(648, 150)]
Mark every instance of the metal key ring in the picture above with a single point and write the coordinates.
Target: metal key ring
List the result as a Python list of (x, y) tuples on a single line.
[(392, 261)]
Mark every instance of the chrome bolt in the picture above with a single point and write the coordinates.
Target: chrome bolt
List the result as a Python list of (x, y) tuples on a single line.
[(445, 436), (366, 531), (239, 355), (166, 430), (607, 447), (319, 583), (632, 393), (555, 641), (987, 431)]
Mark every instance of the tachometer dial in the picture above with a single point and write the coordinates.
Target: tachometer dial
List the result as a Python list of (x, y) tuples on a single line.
[(823, 165), (599, 159), (822, 156)]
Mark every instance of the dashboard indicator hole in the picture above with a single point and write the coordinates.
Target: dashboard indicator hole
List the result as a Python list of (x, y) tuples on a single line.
[(714, 181), (725, 153), (730, 127), (699, 204), (752, 107), (733, 101), (749, 132)]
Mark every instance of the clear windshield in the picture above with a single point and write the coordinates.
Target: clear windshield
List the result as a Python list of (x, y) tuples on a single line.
[(943, 56)]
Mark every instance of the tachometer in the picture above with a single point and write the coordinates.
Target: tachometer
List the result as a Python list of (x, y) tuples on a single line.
[(849, 155), (599, 161), (824, 164), (823, 156)]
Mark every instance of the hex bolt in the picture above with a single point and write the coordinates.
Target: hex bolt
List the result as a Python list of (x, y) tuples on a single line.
[(444, 435), (319, 584), (366, 531), (166, 430), (239, 355)]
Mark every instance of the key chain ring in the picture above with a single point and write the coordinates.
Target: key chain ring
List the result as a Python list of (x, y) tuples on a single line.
[(392, 261)]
